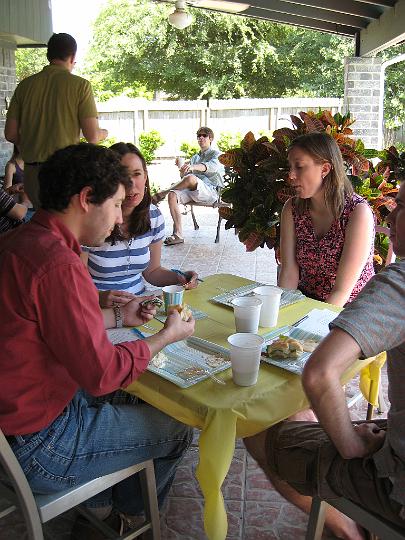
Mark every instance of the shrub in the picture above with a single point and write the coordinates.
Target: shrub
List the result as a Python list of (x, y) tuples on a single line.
[(228, 140), (189, 149), (149, 142)]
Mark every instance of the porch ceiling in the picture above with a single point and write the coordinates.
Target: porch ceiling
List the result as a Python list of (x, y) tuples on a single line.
[(352, 18)]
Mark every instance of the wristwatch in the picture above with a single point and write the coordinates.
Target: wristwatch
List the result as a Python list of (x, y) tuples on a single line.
[(119, 321)]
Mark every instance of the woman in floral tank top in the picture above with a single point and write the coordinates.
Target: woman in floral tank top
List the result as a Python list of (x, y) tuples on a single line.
[(327, 231)]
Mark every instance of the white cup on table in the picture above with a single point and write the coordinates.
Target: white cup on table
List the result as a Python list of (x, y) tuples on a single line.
[(270, 295), (246, 349), (247, 313)]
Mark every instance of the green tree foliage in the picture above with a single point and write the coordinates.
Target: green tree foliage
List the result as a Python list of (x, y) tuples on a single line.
[(218, 56), (394, 95), (29, 61)]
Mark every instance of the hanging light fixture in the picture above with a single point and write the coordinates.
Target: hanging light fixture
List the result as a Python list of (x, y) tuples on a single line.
[(180, 18)]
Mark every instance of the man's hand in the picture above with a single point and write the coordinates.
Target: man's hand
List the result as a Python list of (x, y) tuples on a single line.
[(114, 298), (175, 329), (135, 314), (185, 169), (371, 438)]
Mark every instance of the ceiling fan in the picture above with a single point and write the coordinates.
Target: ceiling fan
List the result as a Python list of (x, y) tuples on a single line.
[(180, 18)]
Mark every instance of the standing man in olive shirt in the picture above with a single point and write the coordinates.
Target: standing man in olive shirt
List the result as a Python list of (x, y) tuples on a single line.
[(48, 110)]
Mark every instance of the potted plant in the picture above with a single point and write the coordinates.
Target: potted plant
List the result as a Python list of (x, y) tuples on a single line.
[(256, 179)]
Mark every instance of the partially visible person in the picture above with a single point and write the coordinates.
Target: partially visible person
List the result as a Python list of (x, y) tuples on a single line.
[(61, 407), (364, 462), (48, 110), (11, 212), (14, 178), (200, 179), (133, 250), (327, 231)]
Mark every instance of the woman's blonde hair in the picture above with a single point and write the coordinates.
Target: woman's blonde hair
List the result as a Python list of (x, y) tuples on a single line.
[(323, 149)]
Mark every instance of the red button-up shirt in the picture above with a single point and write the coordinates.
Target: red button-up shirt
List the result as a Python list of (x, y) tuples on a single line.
[(53, 340)]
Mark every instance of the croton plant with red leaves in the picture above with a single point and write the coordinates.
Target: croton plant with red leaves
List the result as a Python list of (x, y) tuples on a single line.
[(256, 179)]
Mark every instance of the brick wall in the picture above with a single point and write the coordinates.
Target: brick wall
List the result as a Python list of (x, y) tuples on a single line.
[(7, 86), (362, 97)]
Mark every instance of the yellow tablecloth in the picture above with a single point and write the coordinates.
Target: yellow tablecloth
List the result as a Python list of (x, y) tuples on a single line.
[(226, 412)]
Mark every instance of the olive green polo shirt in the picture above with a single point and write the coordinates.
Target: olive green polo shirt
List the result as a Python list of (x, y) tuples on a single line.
[(48, 108)]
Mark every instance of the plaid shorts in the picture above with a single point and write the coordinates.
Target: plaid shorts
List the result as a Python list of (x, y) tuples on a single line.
[(302, 454)]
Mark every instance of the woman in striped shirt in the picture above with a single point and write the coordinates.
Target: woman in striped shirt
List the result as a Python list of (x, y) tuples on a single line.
[(134, 249)]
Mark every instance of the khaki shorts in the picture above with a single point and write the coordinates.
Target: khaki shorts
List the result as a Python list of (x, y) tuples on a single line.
[(303, 455), (203, 194)]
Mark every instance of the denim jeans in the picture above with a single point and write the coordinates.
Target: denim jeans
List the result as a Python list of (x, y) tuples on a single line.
[(96, 436)]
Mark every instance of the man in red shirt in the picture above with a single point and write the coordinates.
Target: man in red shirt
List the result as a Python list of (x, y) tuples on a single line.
[(60, 404)]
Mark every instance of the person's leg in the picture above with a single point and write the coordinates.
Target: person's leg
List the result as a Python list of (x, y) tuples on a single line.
[(188, 182), (92, 439), (175, 213), (298, 463)]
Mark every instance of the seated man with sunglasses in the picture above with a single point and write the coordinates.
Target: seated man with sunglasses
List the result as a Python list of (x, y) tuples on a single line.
[(199, 181)]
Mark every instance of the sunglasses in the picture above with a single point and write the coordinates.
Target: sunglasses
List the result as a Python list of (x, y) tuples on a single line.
[(202, 135)]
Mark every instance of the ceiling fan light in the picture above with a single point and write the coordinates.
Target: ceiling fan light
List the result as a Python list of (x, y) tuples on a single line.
[(180, 19)]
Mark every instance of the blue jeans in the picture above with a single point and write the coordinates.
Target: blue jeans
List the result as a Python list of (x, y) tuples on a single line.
[(96, 436)]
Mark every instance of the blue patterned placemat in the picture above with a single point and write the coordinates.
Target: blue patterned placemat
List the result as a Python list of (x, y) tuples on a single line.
[(288, 296)]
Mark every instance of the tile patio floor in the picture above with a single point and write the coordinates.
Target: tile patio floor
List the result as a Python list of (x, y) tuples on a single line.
[(255, 510)]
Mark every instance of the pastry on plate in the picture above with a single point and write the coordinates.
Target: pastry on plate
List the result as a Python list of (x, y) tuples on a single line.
[(285, 347)]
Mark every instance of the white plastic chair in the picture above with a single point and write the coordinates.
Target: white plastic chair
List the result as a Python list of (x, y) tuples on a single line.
[(383, 529), (38, 509)]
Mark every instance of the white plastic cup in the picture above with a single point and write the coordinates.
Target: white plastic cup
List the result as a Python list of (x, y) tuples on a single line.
[(270, 296), (247, 313), (180, 162), (245, 357), (172, 296)]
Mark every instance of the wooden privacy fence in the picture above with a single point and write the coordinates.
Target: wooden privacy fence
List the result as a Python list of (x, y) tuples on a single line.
[(178, 121)]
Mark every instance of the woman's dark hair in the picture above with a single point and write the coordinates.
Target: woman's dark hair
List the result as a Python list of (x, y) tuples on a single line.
[(61, 47), (75, 167), (139, 221)]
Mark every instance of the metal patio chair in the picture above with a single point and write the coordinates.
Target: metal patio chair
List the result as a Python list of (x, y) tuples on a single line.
[(381, 528), (217, 204), (38, 509)]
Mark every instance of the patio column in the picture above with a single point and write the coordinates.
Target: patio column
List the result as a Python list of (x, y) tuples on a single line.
[(7, 87), (362, 97)]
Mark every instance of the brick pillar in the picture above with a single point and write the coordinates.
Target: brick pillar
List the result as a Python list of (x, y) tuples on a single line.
[(7, 86), (362, 97)]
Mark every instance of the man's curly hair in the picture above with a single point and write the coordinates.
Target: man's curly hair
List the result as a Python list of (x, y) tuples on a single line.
[(75, 167)]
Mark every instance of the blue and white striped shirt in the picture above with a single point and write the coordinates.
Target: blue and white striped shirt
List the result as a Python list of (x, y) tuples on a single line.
[(119, 267)]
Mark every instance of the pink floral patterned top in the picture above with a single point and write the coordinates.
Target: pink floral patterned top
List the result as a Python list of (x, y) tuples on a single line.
[(318, 258)]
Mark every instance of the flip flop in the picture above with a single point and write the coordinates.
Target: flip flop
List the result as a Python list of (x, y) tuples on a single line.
[(173, 240)]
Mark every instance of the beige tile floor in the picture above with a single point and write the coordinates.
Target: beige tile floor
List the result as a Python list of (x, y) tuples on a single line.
[(255, 510)]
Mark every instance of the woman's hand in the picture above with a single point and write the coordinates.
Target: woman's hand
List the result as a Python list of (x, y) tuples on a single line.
[(176, 329), (109, 299), (15, 188), (189, 280), (135, 314)]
